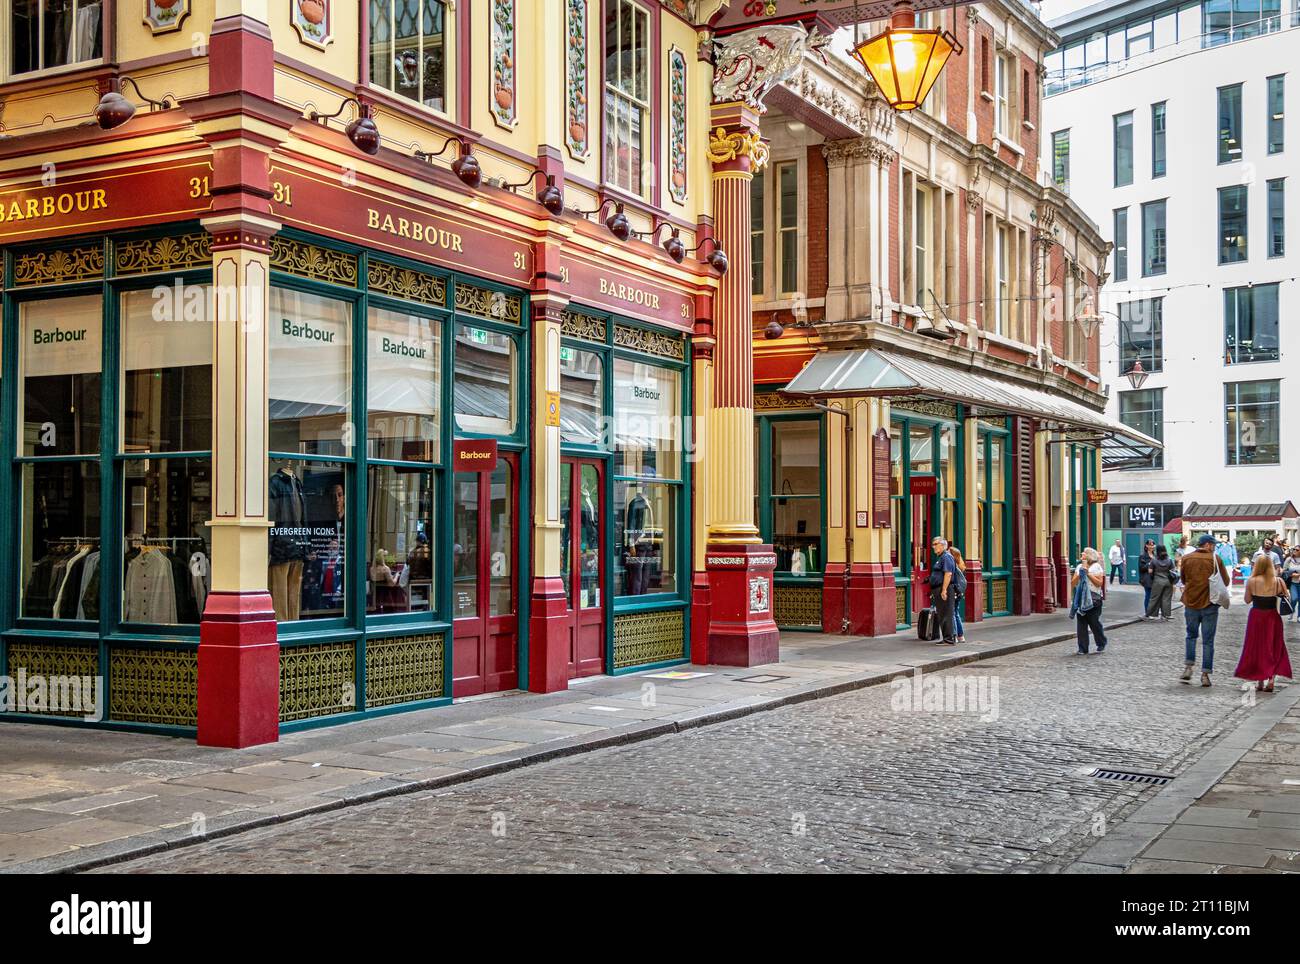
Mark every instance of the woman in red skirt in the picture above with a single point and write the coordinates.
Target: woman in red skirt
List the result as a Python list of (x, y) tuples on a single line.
[(1264, 655)]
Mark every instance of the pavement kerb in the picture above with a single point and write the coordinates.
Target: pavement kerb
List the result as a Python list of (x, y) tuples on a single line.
[(131, 848), (1151, 819)]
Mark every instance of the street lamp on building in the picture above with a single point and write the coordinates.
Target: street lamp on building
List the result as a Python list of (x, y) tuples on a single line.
[(465, 166), (1089, 320), (905, 61), (114, 110), (361, 131)]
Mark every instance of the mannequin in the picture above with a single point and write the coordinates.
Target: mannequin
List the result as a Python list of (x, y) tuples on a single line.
[(288, 546), (638, 551)]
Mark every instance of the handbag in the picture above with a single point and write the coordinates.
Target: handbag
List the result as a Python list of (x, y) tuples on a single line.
[(1284, 607), (1219, 594)]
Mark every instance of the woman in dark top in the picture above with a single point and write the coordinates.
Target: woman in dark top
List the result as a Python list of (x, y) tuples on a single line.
[(1144, 572), (1162, 579), (1264, 655)]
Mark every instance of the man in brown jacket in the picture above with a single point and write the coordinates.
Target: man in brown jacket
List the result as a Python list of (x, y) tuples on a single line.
[(1200, 611)]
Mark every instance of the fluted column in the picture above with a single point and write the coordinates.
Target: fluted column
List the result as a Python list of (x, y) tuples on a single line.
[(741, 629)]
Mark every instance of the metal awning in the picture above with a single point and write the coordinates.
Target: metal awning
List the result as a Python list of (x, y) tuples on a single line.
[(872, 372)]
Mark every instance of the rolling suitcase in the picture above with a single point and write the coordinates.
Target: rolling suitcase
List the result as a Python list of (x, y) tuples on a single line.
[(927, 625)]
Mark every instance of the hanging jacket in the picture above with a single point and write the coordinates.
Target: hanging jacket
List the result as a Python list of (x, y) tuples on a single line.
[(288, 511)]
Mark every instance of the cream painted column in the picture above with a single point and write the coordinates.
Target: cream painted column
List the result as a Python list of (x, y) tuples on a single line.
[(239, 656), (548, 640)]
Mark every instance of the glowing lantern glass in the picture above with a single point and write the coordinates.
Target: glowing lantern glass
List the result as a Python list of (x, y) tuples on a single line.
[(904, 61)]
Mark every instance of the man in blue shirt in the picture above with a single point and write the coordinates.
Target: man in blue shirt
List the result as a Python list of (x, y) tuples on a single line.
[(1227, 554), (942, 595)]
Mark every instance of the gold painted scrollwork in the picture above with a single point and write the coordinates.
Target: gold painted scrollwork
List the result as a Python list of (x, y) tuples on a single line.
[(650, 342), (313, 261), (576, 325), (82, 263), (485, 303), (148, 255), (406, 284), (729, 146)]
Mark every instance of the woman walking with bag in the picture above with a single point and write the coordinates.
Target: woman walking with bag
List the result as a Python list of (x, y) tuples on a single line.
[(1162, 585), (1144, 573), (1264, 655), (1088, 584), (1291, 576)]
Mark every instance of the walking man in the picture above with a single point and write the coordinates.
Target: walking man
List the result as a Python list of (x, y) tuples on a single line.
[(1117, 560), (1200, 611), (942, 592)]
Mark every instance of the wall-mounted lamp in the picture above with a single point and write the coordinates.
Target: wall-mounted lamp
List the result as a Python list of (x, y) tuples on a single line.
[(361, 131), (715, 259), (114, 110), (673, 244), (616, 222), (549, 196), (465, 166)]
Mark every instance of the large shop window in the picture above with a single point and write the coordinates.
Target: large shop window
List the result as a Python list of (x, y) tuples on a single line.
[(408, 49), (486, 400), (647, 477), (162, 458), (55, 33), (582, 396), (795, 500)]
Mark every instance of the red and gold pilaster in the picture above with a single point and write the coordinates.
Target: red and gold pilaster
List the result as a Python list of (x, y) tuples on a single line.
[(742, 631)]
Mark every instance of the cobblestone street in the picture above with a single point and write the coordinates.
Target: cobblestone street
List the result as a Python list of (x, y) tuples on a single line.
[(844, 783)]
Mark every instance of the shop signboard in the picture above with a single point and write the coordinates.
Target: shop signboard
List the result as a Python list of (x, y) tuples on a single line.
[(624, 293), (352, 212), (880, 478), (475, 455), (62, 203)]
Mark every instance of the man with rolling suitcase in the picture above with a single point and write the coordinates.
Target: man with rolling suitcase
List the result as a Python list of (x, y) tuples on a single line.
[(942, 593)]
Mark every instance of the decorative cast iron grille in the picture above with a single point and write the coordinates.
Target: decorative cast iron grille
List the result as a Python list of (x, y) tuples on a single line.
[(154, 686), (403, 669), (85, 262), (643, 638), (313, 261), (406, 284), (900, 606), (799, 606), (57, 665), (650, 342), (148, 255), (774, 401), (998, 594), (317, 680), (488, 303), (584, 327)]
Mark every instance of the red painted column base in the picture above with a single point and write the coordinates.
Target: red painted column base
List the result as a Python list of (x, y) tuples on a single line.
[(973, 607), (1044, 585), (239, 671), (1062, 576), (835, 598), (700, 616), (873, 599), (548, 637), (1022, 588), (742, 631)]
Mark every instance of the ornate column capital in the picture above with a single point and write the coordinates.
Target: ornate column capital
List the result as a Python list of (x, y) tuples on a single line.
[(734, 142)]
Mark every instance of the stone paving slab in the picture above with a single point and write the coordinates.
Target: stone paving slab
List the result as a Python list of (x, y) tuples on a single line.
[(167, 786), (1244, 816)]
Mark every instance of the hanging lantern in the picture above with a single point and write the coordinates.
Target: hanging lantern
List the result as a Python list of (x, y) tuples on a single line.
[(1137, 376), (904, 61)]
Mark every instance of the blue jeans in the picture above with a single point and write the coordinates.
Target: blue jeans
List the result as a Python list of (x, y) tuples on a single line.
[(1295, 597), (1146, 598), (1206, 622), (956, 613)]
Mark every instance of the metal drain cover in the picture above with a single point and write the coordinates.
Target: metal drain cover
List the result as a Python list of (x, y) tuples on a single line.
[(761, 678), (1131, 776)]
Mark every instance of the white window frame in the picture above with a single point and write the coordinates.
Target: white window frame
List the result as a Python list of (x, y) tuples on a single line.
[(637, 184), (1001, 278), (107, 14), (1001, 95), (783, 233)]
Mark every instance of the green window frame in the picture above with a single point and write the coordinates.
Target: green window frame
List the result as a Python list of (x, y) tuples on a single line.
[(774, 496), (993, 453)]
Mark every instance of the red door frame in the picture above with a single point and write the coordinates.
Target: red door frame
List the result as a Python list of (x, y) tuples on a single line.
[(493, 641), (586, 627), (923, 507)]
